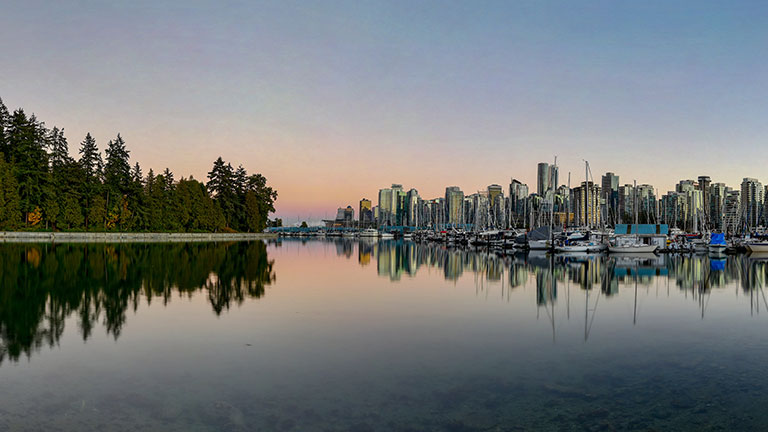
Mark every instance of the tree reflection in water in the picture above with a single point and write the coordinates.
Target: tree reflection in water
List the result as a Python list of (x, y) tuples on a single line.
[(41, 285)]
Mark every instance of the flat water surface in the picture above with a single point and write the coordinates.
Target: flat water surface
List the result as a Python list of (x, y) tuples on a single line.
[(348, 335)]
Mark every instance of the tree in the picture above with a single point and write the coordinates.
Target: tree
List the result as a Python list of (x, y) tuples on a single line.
[(90, 163), (117, 169), (26, 144), (10, 203), (221, 185), (253, 219), (303, 224)]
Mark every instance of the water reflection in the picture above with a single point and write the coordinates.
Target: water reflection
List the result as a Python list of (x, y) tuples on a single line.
[(695, 276), (41, 285)]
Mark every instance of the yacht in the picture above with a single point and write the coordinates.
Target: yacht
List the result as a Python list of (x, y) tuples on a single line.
[(630, 245), (717, 243), (369, 232)]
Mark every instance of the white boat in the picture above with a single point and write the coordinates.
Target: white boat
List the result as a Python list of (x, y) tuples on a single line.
[(633, 248), (369, 232), (386, 235), (538, 244), (596, 247), (757, 247), (630, 245), (572, 248)]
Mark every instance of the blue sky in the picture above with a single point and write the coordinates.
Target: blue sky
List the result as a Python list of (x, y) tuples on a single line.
[(333, 100)]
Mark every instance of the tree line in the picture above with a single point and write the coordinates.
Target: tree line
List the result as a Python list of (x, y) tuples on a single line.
[(43, 187)]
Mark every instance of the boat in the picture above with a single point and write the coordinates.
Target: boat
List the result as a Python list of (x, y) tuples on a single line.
[(386, 235), (538, 244), (630, 245), (757, 246), (717, 243), (595, 247), (577, 247), (369, 232)]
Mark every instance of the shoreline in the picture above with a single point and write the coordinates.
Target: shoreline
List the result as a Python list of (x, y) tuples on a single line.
[(121, 237)]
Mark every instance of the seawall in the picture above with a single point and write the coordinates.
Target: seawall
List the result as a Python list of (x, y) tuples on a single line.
[(118, 237)]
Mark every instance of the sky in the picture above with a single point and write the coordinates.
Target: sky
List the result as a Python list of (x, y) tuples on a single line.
[(334, 100)]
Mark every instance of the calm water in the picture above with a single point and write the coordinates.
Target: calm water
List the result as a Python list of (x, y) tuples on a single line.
[(389, 336)]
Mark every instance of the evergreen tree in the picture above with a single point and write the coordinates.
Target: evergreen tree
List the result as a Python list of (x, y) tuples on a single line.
[(5, 119), (26, 144), (117, 169), (10, 203), (90, 163)]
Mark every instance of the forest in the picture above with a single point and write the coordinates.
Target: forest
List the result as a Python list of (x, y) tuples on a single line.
[(43, 187)]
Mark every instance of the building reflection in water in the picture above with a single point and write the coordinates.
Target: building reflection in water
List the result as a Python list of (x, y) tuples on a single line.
[(693, 275)]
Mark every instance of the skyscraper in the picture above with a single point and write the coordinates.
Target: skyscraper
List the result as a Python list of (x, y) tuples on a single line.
[(496, 204), (610, 189), (543, 179), (454, 205), (365, 213), (386, 210), (518, 196), (704, 186), (751, 201)]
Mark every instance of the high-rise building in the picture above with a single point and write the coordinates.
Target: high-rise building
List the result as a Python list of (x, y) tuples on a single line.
[(454, 205), (586, 204), (518, 197), (543, 179), (717, 196), (610, 188), (365, 213), (626, 203), (732, 211), (704, 184), (751, 201), (496, 206), (349, 216), (398, 204), (386, 209), (412, 209)]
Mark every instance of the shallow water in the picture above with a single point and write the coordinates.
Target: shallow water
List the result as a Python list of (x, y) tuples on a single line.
[(357, 336)]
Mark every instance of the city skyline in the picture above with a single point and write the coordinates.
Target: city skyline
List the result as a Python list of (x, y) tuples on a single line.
[(331, 101)]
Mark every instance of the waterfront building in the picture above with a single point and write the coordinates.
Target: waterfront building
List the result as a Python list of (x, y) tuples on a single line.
[(646, 203), (586, 204), (496, 206), (626, 203), (610, 192), (412, 209), (349, 216), (454, 202), (385, 216), (732, 212), (518, 199), (705, 184), (751, 201), (717, 195), (543, 179), (365, 213)]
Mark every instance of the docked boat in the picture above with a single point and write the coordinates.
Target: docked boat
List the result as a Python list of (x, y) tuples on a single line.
[(387, 235), (717, 244), (757, 246), (369, 232), (630, 245), (578, 247)]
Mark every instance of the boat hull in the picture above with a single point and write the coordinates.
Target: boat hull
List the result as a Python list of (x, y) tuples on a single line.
[(568, 249), (633, 249), (757, 247)]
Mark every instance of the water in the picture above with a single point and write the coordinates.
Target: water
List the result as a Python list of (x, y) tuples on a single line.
[(389, 336)]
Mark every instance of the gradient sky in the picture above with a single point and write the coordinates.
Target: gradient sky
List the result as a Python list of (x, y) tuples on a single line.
[(333, 100)]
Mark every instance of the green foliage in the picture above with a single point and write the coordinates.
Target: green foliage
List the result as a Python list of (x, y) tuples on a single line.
[(43, 187), (10, 202)]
